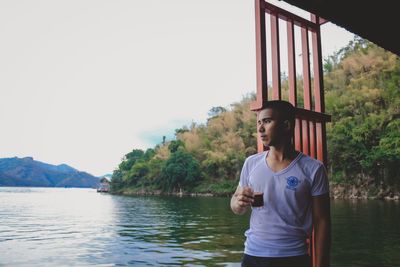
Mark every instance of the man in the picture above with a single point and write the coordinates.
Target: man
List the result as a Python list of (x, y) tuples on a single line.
[(296, 197)]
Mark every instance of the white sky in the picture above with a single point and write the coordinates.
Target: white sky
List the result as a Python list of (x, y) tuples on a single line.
[(83, 82)]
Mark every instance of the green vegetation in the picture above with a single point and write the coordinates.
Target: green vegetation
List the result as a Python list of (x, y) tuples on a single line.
[(362, 89)]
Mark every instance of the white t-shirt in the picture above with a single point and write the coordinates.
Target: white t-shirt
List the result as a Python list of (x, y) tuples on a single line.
[(280, 228)]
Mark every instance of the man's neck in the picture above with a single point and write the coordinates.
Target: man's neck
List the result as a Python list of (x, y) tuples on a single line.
[(282, 153), (280, 157)]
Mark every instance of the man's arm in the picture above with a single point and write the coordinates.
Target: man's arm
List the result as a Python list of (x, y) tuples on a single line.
[(322, 229), (241, 200)]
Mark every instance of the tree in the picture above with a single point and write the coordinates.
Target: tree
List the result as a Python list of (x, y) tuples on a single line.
[(116, 181), (363, 96), (130, 159), (216, 111), (175, 145), (180, 170), (138, 172)]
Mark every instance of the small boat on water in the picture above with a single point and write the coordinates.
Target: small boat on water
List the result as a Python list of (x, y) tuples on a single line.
[(104, 186), (102, 189)]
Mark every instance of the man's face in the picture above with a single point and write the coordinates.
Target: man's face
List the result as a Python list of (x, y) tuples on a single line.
[(270, 128)]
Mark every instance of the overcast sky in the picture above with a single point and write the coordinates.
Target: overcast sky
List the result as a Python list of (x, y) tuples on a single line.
[(83, 82)]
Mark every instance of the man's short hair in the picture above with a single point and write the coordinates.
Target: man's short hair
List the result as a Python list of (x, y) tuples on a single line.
[(285, 109)]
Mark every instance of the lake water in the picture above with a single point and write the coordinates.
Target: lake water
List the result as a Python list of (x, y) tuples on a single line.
[(80, 227)]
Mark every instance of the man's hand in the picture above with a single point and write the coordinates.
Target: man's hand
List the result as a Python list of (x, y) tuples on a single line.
[(242, 199)]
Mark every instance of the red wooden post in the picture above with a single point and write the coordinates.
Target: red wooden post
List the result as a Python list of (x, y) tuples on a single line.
[(313, 145), (322, 153), (291, 64), (261, 55), (292, 80), (298, 140), (306, 137), (261, 61), (306, 68), (276, 64)]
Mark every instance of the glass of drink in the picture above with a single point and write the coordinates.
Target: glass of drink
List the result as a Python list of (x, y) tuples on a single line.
[(258, 194)]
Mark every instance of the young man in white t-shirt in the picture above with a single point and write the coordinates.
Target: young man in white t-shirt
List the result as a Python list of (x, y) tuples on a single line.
[(295, 197)]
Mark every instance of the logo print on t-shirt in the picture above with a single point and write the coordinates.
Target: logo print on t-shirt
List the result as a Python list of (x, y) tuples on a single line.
[(292, 182)]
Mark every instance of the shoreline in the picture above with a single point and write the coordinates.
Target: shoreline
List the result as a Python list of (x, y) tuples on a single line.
[(340, 191), (346, 192)]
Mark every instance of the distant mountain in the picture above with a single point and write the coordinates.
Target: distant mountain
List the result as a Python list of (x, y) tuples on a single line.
[(29, 172)]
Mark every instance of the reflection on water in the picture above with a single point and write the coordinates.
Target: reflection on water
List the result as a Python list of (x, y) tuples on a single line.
[(173, 230), (365, 233), (50, 227), (80, 227), (77, 227)]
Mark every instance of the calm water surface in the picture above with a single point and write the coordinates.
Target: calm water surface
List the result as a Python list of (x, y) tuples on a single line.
[(80, 227)]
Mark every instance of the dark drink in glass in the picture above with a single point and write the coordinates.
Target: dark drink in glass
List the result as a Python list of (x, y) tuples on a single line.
[(258, 199)]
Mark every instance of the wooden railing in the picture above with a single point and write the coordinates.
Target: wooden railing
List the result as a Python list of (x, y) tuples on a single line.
[(310, 130), (310, 133)]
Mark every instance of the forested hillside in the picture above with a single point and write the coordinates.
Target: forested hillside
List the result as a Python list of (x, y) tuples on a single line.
[(362, 93), (203, 158), (362, 90)]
